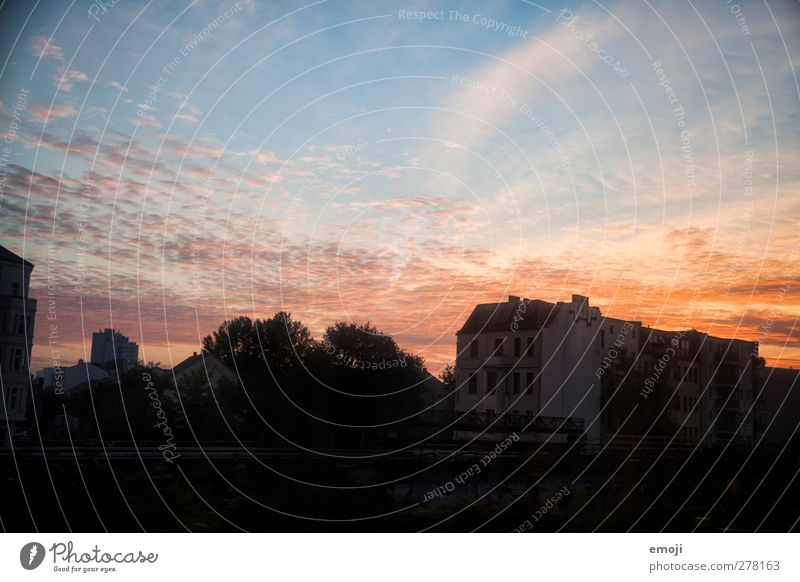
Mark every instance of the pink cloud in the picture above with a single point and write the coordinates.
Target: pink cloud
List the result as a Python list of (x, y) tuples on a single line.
[(67, 77), (43, 46), (41, 114)]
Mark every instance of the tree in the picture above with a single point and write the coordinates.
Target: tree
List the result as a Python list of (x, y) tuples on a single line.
[(279, 342), (366, 378), (235, 342), (448, 377)]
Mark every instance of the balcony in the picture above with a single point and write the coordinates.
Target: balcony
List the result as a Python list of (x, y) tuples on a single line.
[(499, 361), (727, 357), (476, 421), (724, 378), (726, 404), (659, 349), (726, 427)]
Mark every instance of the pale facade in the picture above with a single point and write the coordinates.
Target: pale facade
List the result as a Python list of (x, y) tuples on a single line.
[(17, 314)]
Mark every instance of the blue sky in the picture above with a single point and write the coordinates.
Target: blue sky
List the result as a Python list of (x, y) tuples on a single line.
[(354, 161)]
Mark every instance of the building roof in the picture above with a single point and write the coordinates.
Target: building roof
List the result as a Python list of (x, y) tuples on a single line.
[(9, 257), (530, 313), (187, 364), (204, 361)]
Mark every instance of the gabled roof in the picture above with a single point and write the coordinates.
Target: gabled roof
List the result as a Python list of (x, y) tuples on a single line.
[(187, 364), (203, 361), (9, 257), (488, 317)]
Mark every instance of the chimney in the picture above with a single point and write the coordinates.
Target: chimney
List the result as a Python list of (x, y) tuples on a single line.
[(513, 299)]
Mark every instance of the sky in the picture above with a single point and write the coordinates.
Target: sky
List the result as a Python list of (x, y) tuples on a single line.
[(170, 165)]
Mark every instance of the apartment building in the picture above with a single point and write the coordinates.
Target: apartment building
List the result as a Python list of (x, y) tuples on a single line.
[(528, 358), (729, 375), (111, 349), (17, 313)]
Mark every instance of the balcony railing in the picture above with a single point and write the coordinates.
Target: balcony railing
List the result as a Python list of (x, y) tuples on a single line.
[(723, 378), (729, 357), (478, 421), (726, 403)]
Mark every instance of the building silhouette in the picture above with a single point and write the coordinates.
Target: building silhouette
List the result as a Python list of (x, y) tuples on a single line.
[(17, 313), (112, 350), (531, 360), (67, 378)]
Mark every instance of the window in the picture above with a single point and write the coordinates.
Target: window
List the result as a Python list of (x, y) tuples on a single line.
[(15, 289), (473, 349), (17, 364), (516, 379), (676, 403), (498, 346), (491, 381), (517, 347), (19, 323), (530, 346), (529, 382), (612, 330), (13, 397), (602, 339), (472, 387)]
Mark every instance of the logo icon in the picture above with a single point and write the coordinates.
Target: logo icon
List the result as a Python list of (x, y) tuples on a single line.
[(31, 555)]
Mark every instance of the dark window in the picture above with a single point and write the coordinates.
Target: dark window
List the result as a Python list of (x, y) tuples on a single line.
[(19, 323), (602, 339), (13, 397), (473, 384), (5, 321), (612, 330), (17, 360), (515, 378), (529, 382), (517, 347), (491, 381), (498, 346), (15, 289), (473, 349), (530, 346)]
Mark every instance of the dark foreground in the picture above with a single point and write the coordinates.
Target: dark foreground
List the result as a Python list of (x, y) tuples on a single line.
[(230, 488)]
